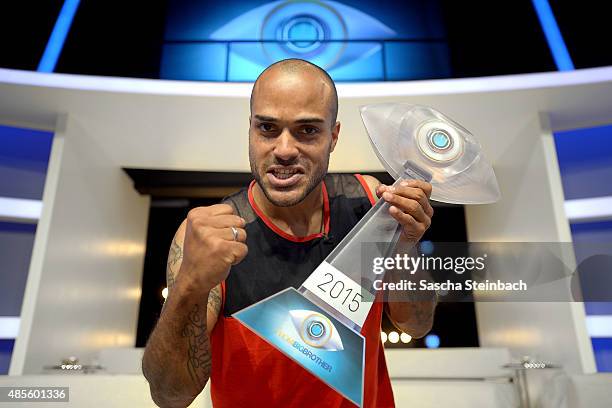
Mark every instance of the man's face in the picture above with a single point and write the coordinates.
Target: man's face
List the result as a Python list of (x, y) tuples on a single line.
[(291, 135)]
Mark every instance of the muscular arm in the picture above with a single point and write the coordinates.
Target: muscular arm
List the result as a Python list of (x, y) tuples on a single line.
[(411, 311), (177, 358), (412, 315)]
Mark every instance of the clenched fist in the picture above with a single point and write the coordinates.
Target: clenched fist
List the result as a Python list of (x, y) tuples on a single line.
[(214, 241)]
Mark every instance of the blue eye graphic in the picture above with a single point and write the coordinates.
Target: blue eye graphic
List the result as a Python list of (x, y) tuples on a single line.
[(439, 142), (316, 330), (327, 33)]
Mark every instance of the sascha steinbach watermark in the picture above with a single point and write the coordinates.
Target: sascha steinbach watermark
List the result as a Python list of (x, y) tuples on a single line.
[(410, 265), (489, 271)]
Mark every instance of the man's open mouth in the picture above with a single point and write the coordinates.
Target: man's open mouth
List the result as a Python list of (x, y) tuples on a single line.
[(283, 177)]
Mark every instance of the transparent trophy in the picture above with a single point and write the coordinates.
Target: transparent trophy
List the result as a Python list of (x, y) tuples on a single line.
[(318, 326)]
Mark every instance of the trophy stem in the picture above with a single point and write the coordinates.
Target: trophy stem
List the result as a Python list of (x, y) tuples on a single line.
[(345, 279)]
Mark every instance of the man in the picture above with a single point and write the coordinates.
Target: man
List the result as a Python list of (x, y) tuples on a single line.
[(294, 213)]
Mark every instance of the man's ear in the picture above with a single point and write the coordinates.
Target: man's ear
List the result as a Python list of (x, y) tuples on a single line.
[(335, 133)]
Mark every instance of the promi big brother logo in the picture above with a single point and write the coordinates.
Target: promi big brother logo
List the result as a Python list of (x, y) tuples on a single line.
[(316, 331)]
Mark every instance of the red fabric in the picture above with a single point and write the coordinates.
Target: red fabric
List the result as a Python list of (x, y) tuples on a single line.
[(248, 372), (366, 187)]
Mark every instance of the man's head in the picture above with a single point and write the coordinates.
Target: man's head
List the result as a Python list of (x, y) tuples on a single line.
[(293, 129)]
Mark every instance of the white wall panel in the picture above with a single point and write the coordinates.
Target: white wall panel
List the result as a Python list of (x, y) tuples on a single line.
[(83, 287), (531, 210)]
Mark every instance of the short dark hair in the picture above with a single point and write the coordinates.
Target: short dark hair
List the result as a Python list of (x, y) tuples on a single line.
[(296, 65)]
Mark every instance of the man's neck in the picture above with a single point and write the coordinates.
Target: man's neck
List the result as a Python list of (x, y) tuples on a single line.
[(300, 220)]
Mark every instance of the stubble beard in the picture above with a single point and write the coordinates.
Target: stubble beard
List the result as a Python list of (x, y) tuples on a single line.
[(313, 181)]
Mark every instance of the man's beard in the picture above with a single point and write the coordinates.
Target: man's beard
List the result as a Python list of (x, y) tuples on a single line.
[(312, 183)]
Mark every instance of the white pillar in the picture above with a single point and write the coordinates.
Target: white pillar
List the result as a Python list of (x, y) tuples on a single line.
[(531, 210), (83, 287)]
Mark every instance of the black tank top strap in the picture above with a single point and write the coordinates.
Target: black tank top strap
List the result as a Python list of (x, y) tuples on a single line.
[(240, 202)]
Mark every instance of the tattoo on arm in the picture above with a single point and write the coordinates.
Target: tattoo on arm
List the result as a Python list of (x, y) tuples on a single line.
[(198, 348), (199, 359), (176, 255), (214, 300)]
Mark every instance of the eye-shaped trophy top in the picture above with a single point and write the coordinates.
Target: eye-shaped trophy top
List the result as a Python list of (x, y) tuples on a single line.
[(414, 141)]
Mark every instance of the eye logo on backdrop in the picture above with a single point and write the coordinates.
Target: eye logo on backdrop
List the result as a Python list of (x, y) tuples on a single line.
[(352, 40), (319, 31), (316, 330)]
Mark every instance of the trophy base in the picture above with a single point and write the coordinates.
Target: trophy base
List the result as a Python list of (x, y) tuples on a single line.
[(312, 338)]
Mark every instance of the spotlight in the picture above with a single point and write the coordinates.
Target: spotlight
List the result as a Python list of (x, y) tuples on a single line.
[(427, 247), (405, 338), (383, 337), (394, 337), (165, 293), (432, 341)]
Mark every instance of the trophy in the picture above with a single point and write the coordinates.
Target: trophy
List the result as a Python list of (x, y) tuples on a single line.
[(318, 325)]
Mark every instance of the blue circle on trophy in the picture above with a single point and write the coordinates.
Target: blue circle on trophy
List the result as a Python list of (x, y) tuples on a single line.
[(440, 140), (316, 329)]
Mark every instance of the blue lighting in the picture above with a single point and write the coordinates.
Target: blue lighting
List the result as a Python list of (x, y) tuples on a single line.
[(432, 341), (58, 36), (352, 40), (427, 247), (585, 162), (6, 349), (553, 35)]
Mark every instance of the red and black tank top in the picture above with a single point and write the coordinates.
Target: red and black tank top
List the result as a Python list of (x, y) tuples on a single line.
[(247, 371)]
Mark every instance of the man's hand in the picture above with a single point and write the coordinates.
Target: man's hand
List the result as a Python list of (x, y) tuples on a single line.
[(209, 249), (409, 206)]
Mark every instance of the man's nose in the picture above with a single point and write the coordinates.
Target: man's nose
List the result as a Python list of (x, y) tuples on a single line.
[(286, 149)]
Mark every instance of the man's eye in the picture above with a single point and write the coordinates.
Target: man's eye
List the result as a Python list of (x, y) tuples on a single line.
[(310, 130), (266, 127)]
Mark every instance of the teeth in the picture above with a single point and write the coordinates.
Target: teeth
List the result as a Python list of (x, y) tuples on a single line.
[(284, 173)]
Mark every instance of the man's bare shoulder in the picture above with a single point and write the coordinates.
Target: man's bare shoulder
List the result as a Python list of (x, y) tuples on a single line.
[(372, 182), (180, 232)]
